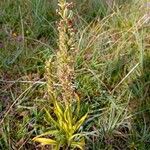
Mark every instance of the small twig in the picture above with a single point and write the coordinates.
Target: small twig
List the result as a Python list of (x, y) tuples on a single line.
[(38, 41), (29, 135), (94, 74), (33, 82), (16, 81)]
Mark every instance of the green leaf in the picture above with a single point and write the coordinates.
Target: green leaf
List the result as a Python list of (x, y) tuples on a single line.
[(45, 141), (77, 109)]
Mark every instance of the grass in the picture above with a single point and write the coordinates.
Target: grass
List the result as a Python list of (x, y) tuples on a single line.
[(112, 72)]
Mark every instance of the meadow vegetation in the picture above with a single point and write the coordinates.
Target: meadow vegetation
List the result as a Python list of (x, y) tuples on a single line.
[(107, 105)]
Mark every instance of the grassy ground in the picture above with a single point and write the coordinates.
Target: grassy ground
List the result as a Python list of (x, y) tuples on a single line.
[(112, 72)]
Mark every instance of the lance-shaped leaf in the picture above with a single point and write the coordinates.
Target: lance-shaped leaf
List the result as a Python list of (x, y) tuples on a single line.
[(50, 119), (45, 141), (80, 144), (80, 122), (52, 132)]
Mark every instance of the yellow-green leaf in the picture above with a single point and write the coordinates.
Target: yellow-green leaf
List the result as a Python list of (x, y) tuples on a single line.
[(65, 115), (57, 147), (78, 103), (50, 119), (69, 116), (79, 145), (45, 141), (79, 135), (65, 128), (58, 111), (52, 132), (80, 122)]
